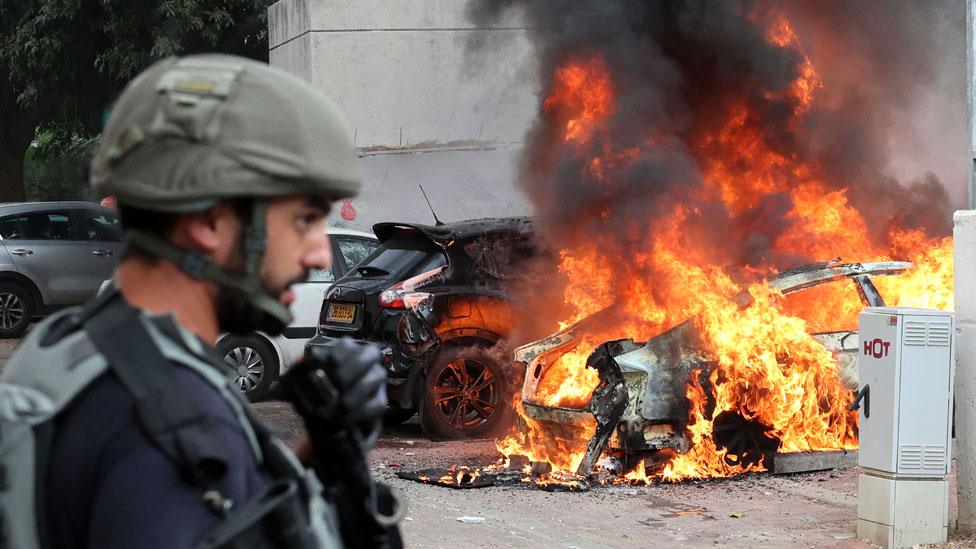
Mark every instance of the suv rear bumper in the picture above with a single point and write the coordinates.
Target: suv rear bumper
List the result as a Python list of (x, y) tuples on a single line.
[(401, 384)]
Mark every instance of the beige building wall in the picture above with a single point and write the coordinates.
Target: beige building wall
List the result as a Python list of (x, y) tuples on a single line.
[(424, 106)]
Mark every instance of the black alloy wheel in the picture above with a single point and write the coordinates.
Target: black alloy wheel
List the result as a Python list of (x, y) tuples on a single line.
[(253, 362), (16, 309), (465, 395)]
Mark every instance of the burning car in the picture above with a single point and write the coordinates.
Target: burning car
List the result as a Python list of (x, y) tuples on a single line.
[(641, 407)]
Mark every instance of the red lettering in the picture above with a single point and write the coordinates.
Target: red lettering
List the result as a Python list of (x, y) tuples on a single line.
[(878, 348)]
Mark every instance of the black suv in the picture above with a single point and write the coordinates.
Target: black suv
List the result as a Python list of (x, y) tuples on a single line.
[(436, 299)]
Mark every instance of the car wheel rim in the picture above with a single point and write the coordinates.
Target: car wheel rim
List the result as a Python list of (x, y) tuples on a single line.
[(745, 441), (247, 364), (12, 310), (466, 394)]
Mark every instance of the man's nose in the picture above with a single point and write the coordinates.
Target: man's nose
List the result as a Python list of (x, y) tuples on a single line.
[(319, 254)]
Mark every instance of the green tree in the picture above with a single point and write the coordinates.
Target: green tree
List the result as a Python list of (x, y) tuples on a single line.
[(63, 61), (55, 170)]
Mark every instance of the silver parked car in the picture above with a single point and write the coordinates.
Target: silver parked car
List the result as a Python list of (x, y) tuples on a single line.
[(53, 254)]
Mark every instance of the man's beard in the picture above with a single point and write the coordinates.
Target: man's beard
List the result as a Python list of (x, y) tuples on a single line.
[(236, 314)]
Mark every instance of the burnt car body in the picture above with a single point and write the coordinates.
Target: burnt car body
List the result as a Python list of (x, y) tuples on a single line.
[(434, 298), (640, 406)]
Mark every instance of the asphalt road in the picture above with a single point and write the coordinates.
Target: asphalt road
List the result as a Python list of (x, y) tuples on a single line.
[(812, 510)]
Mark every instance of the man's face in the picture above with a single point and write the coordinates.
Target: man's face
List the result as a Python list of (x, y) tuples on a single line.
[(296, 243)]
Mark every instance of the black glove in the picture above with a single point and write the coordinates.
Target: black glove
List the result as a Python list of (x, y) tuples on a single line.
[(340, 392), (338, 389)]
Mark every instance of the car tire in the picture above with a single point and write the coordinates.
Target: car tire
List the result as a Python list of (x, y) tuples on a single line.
[(253, 361), (16, 309), (396, 415), (466, 395)]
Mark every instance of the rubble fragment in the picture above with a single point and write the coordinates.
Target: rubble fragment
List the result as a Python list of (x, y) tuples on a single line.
[(540, 468), (472, 520), (517, 462), (802, 462), (453, 477), (567, 486)]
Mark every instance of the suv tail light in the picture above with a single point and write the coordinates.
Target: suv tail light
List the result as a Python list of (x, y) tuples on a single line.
[(392, 297), (403, 294)]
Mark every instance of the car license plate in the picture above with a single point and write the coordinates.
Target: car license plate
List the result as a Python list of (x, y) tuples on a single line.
[(341, 313)]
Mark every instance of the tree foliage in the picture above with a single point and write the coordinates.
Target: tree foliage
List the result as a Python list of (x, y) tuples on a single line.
[(58, 170), (63, 61)]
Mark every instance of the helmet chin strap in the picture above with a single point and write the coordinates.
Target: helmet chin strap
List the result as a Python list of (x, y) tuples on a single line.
[(198, 265)]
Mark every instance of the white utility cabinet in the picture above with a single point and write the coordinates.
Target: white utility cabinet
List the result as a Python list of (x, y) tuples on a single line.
[(905, 373)]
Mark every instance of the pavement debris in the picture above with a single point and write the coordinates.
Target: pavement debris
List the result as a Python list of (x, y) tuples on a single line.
[(455, 477), (472, 520)]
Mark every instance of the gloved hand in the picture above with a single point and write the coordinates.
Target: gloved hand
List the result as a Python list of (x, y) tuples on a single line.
[(341, 395), (340, 389)]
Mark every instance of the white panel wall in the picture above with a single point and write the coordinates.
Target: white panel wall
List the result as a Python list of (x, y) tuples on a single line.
[(402, 69), (288, 37), (424, 106), (460, 184)]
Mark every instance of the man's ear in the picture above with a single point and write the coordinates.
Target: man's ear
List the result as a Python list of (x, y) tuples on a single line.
[(213, 232)]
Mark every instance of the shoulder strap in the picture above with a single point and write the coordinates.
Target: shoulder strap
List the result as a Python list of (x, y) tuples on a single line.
[(174, 423)]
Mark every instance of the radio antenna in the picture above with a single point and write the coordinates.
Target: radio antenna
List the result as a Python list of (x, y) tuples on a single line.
[(437, 222)]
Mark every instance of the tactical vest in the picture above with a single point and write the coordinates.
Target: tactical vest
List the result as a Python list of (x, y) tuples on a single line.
[(67, 352)]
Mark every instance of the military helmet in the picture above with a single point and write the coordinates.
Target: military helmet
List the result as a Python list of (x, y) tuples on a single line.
[(189, 132)]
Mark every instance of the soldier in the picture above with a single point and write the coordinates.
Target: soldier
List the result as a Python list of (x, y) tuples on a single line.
[(223, 170)]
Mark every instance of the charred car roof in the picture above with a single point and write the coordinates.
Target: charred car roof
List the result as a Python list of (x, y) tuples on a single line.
[(458, 230)]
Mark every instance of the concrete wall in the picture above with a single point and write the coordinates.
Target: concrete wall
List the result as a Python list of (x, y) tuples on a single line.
[(425, 107), (461, 184), (964, 267)]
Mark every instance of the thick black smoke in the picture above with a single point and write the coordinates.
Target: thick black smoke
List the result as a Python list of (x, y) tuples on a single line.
[(678, 67), (881, 62)]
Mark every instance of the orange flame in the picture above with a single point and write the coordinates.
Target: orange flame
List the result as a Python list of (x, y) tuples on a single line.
[(768, 368), (574, 389), (581, 96), (563, 450)]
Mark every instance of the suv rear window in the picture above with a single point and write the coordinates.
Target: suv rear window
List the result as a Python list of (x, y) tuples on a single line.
[(400, 257)]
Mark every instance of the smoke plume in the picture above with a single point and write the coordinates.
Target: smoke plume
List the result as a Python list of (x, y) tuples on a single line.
[(679, 68)]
